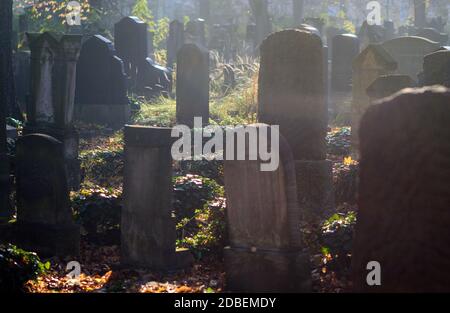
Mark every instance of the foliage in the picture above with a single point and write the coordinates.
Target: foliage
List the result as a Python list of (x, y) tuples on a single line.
[(160, 112), (212, 169), (337, 239), (17, 267), (339, 141), (97, 209), (346, 182), (199, 210)]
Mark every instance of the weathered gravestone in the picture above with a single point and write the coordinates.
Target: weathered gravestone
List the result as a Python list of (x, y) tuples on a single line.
[(370, 64), (53, 79), (44, 217), (409, 52), (192, 85), (291, 95), (154, 80), (385, 86), (404, 193), (175, 41), (345, 50), (147, 227), (266, 250), (437, 68), (101, 94), (370, 34)]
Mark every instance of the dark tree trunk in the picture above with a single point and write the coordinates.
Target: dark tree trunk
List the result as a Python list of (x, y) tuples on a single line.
[(6, 96), (299, 11), (420, 13)]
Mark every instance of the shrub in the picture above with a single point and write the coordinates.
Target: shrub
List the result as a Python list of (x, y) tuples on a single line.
[(339, 141), (17, 267)]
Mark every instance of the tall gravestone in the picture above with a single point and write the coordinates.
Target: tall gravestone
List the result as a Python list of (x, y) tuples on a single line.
[(101, 93), (403, 194), (175, 41), (147, 227), (385, 86), (266, 250), (437, 68), (192, 85), (22, 78), (371, 63), (44, 217), (345, 50), (409, 52), (131, 43), (53, 80), (291, 95), (433, 35)]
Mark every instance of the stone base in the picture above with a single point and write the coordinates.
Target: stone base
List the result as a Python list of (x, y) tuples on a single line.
[(170, 261), (315, 188), (267, 271), (48, 240), (111, 115), (70, 139)]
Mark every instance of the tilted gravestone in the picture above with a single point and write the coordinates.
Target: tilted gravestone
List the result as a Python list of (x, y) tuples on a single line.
[(101, 93), (291, 95), (437, 68), (154, 80), (266, 250), (175, 41), (53, 80), (147, 227), (403, 194), (385, 86), (409, 52), (192, 85), (371, 63), (44, 217)]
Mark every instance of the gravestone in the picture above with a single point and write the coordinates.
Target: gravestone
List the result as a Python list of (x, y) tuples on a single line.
[(53, 79), (175, 41), (332, 32), (250, 38), (147, 227), (22, 78), (4, 167), (291, 95), (403, 194), (44, 217), (437, 68), (371, 63), (409, 52), (345, 50), (101, 94), (131, 43), (192, 85), (266, 251), (195, 32), (154, 80), (433, 35), (385, 86), (370, 34)]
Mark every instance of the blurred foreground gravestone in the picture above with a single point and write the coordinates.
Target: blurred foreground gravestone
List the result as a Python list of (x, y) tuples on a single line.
[(291, 95), (101, 94), (44, 217), (371, 63), (192, 85), (404, 194), (266, 253), (53, 79), (437, 68), (148, 227)]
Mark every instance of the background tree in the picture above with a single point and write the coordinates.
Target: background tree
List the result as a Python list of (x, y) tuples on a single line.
[(260, 10)]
